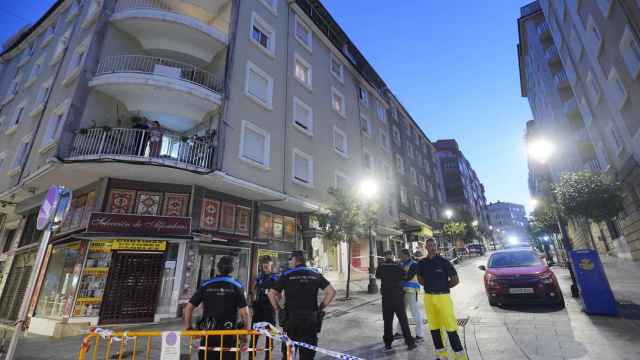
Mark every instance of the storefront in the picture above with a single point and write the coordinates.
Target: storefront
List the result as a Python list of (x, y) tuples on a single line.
[(278, 232), (16, 285)]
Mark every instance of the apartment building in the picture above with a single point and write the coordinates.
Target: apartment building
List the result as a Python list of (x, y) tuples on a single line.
[(188, 131), (579, 63), (508, 220), (464, 192)]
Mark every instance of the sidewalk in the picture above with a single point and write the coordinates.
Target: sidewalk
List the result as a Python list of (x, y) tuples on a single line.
[(543, 333)]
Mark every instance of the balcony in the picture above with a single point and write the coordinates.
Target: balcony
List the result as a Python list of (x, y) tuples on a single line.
[(136, 145), (174, 26), (570, 107), (561, 79), (178, 95), (551, 54), (543, 30)]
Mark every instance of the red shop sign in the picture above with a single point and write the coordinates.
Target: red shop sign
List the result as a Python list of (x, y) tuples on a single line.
[(126, 224)]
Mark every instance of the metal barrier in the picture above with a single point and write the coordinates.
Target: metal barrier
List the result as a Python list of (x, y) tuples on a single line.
[(100, 344)]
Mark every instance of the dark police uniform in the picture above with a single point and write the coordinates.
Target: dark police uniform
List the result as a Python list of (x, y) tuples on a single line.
[(301, 285), (392, 277), (262, 309), (221, 297)]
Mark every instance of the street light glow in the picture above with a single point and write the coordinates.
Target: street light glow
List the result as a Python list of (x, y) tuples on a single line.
[(448, 213), (475, 223), (533, 203), (513, 240), (540, 150), (368, 188)]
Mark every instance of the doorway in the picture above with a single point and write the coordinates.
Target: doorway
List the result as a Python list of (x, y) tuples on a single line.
[(131, 294)]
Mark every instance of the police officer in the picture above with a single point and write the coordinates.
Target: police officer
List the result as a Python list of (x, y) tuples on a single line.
[(411, 291), (262, 310), (392, 278), (223, 299), (438, 275), (302, 314)]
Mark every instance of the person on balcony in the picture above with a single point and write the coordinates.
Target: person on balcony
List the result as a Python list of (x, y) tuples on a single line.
[(142, 136), (155, 140)]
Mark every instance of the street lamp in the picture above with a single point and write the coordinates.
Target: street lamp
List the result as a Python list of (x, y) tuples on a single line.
[(533, 203), (368, 191), (513, 240), (475, 223), (448, 213), (541, 150)]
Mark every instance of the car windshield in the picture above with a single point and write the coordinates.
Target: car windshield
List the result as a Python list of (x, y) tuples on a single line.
[(514, 259)]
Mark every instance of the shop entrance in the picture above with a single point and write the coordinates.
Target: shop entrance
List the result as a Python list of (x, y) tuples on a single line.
[(16, 286), (131, 294)]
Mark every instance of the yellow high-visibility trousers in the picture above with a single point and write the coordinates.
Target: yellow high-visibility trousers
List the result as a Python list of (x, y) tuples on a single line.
[(439, 310)]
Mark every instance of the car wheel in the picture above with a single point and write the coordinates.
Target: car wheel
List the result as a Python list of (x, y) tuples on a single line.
[(492, 302), (560, 304)]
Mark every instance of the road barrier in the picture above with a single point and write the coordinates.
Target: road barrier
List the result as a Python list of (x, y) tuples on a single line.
[(107, 344)]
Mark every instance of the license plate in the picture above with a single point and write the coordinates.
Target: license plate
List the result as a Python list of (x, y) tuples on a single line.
[(521, 291)]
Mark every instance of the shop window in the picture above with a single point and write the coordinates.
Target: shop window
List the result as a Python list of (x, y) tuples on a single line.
[(58, 285), (277, 227), (94, 279), (30, 234), (79, 212)]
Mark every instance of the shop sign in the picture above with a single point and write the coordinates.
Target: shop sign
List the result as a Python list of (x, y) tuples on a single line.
[(149, 245), (264, 252), (100, 246), (139, 224)]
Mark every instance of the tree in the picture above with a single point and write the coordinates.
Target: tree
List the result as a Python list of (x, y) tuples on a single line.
[(544, 219), (454, 229), (588, 196)]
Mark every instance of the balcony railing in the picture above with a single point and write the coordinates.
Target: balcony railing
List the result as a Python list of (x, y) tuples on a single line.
[(171, 6), (543, 29), (561, 79), (159, 67), (142, 145)]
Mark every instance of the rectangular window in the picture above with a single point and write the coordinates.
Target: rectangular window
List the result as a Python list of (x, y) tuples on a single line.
[(368, 160), (302, 116), (62, 45), (388, 175), (18, 116), (337, 69), (254, 145), (380, 111), (620, 90), (302, 168), (593, 88), (417, 205), (414, 176), (21, 156), (365, 125), (272, 5), (302, 71), (403, 196), (594, 32), (363, 95), (303, 34), (575, 43), (341, 181), (259, 86), (262, 34), (396, 135), (616, 139), (337, 102), (340, 142), (399, 163), (53, 128), (394, 112), (384, 139), (630, 52), (410, 150), (422, 182)]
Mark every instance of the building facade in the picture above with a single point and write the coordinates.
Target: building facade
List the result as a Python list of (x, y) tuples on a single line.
[(509, 221), (463, 190), (188, 131), (579, 63)]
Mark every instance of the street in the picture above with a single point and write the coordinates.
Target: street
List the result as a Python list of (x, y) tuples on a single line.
[(491, 333)]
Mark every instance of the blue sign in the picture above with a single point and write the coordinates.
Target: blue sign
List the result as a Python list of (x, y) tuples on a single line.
[(597, 297)]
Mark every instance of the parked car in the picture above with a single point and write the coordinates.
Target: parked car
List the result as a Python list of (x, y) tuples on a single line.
[(476, 249), (520, 276)]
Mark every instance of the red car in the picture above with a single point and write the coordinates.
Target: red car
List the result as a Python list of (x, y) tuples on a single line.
[(520, 276)]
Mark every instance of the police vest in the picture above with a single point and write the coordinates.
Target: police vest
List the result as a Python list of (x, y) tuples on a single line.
[(411, 284)]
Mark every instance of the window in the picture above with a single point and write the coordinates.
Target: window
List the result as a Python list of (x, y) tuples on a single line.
[(417, 204), (35, 71), (403, 196), (384, 140), (18, 115), (616, 139), (54, 126), (340, 142), (302, 116), (593, 88), (396, 135), (272, 5), (337, 68), (302, 168), (363, 95), (41, 98), (399, 164), (365, 125), (605, 6), (337, 102), (3, 156), (302, 71), (389, 204), (21, 156), (262, 35), (630, 52), (575, 43), (388, 175), (367, 160), (61, 47), (594, 33), (414, 175), (259, 86), (620, 90), (341, 181), (74, 10), (75, 64), (394, 112), (423, 184), (255, 145), (410, 150), (92, 13), (303, 34), (380, 111)]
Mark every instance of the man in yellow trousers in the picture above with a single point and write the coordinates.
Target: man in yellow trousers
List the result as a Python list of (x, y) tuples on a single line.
[(437, 275)]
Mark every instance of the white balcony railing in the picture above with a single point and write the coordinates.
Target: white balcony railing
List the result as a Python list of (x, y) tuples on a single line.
[(159, 67), (137, 145), (561, 79), (172, 6)]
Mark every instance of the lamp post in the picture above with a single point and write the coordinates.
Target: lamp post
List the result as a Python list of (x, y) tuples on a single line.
[(541, 151), (368, 191), (448, 213)]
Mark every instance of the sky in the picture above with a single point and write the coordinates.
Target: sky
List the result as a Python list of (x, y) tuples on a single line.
[(452, 63)]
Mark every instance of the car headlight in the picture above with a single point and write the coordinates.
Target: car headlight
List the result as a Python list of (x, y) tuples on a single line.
[(492, 281)]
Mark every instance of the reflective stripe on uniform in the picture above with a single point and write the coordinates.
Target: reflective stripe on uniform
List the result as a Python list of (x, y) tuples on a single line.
[(301, 268), (227, 279)]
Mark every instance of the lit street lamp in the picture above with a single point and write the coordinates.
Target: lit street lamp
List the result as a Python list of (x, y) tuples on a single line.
[(448, 213), (541, 151), (368, 191)]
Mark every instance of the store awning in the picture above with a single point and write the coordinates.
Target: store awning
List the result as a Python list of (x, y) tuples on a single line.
[(387, 231)]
